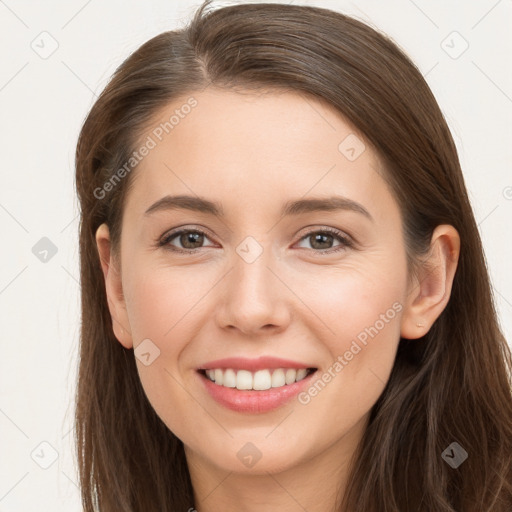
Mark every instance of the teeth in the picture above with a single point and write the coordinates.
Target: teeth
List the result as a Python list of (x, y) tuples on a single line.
[(290, 375), (243, 379), (262, 380), (229, 379), (259, 380), (278, 378)]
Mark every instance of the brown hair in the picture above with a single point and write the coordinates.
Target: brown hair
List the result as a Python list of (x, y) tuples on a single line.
[(452, 385)]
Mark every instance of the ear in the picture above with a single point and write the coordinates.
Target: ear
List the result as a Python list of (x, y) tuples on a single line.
[(430, 292), (113, 285)]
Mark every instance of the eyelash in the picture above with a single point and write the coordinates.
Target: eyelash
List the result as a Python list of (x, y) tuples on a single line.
[(345, 241)]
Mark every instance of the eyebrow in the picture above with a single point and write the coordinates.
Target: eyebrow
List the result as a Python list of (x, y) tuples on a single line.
[(296, 207)]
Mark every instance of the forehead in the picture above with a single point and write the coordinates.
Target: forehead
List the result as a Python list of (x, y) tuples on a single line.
[(254, 147)]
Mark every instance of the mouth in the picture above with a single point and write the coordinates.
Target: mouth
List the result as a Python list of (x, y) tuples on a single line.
[(260, 380), (254, 391), (254, 385)]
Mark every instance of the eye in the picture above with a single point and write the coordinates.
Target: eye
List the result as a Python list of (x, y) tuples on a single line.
[(189, 240), (321, 240)]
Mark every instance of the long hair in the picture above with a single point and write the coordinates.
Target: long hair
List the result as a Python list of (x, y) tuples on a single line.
[(451, 385)]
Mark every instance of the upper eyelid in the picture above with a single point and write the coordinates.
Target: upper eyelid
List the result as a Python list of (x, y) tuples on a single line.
[(185, 229)]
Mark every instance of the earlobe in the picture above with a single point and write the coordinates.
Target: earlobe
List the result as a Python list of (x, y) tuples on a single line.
[(113, 287), (429, 295)]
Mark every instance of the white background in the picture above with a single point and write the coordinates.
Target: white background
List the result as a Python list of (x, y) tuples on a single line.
[(43, 103)]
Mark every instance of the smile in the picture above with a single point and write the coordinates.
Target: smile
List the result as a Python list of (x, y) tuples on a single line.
[(259, 380)]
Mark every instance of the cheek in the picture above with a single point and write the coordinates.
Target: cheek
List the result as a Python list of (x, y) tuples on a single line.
[(163, 303), (162, 306), (166, 306), (356, 315), (344, 302)]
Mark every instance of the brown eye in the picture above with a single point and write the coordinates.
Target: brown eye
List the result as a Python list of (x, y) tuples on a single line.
[(322, 240), (188, 239), (191, 240)]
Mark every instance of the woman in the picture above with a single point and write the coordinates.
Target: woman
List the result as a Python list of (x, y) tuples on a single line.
[(285, 302)]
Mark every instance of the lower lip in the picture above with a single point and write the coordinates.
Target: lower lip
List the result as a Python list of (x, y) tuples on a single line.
[(253, 401)]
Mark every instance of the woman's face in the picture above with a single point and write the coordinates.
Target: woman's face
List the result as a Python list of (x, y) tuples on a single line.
[(303, 261)]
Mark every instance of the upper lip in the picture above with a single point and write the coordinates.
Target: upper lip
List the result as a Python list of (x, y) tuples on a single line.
[(261, 363)]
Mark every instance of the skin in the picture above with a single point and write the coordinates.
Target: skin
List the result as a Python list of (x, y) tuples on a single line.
[(252, 152)]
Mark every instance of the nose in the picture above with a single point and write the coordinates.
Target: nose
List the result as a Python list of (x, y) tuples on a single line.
[(254, 300)]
